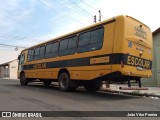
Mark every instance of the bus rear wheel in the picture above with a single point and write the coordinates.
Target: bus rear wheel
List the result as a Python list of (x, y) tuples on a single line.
[(64, 82), (93, 85), (23, 79)]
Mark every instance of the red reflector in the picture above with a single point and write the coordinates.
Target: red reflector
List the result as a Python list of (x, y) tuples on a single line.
[(133, 88), (122, 64)]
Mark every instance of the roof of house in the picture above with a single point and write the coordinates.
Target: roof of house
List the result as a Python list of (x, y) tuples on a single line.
[(7, 62), (156, 31)]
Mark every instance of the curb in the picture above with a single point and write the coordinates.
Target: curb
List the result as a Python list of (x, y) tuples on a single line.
[(8, 79), (131, 93)]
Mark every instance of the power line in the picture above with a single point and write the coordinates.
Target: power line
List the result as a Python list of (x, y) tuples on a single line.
[(77, 11), (88, 5), (81, 8), (99, 11), (6, 35), (49, 5), (17, 37), (11, 46), (6, 49)]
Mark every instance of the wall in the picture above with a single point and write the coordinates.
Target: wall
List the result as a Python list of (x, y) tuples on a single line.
[(155, 79), (4, 71), (13, 67)]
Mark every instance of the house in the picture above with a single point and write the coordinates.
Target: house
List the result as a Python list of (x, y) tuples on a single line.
[(155, 79), (9, 69)]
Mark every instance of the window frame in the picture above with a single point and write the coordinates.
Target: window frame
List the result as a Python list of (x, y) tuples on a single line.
[(52, 43), (41, 56), (67, 49), (36, 57), (32, 49), (101, 27), (20, 61)]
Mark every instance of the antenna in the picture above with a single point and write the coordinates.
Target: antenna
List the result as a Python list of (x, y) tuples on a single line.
[(95, 19), (99, 15)]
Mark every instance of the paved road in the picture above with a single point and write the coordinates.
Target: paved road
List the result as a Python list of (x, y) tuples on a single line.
[(36, 97)]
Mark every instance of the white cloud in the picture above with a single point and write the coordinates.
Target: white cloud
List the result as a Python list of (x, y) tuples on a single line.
[(13, 13), (143, 10)]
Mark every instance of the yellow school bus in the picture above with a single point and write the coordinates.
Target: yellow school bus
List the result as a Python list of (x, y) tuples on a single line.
[(115, 50)]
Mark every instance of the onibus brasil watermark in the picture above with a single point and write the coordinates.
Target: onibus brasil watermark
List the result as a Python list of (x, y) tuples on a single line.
[(21, 114), (35, 114)]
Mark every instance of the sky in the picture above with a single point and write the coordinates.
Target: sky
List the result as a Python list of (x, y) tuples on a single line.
[(24, 23)]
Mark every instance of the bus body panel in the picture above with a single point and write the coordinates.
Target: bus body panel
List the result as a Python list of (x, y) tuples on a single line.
[(138, 46), (88, 72), (125, 42)]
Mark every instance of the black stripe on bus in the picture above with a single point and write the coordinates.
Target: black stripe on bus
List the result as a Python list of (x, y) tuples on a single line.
[(116, 58)]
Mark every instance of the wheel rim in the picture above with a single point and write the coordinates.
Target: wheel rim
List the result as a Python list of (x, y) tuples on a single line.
[(22, 79), (64, 81)]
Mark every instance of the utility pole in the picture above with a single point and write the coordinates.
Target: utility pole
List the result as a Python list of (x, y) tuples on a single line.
[(99, 15), (95, 19)]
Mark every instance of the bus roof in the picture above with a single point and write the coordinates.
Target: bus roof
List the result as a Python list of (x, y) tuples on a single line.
[(138, 21)]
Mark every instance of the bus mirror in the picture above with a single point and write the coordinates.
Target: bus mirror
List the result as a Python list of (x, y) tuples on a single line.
[(19, 57)]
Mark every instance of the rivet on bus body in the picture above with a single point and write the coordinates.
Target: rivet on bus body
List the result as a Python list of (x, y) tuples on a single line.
[(140, 53), (101, 74)]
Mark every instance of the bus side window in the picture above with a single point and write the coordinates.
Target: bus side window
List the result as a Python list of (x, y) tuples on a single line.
[(22, 58), (41, 54), (30, 55), (55, 49), (68, 46), (96, 39), (37, 53), (97, 35), (91, 41), (72, 45), (51, 50), (63, 47)]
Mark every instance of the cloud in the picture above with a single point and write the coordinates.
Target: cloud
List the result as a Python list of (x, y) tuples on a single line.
[(65, 18), (13, 13), (143, 10)]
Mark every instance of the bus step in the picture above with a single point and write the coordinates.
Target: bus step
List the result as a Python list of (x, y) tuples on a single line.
[(133, 88)]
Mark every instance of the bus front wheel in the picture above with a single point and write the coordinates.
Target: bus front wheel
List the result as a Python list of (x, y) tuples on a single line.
[(23, 79)]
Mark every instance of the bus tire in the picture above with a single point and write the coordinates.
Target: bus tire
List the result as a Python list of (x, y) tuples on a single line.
[(64, 82), (93, 85), (23, 79), (47, 83)]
